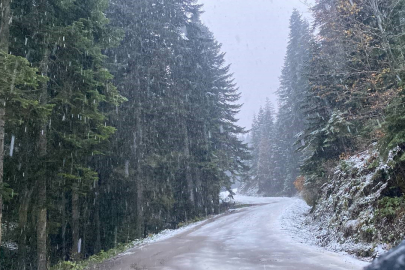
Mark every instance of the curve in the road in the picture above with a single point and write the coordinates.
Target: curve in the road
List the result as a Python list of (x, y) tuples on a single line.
[(250, 238)]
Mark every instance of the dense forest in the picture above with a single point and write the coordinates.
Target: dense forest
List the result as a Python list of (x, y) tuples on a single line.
[(341, 90), (117, 120)]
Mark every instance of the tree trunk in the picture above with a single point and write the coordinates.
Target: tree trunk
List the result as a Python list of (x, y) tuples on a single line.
[(189, 179), (216, 200), (5, 25), (42, 211), (42, 234), (139, 199), (138, 148), (4, 43), (64, 224), (83, 242), (22, 226), (2, 122), (97, 245), (75, 221), (42, 225)]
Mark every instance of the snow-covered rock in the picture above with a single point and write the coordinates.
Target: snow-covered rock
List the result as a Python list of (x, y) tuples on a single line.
[(345, 217)]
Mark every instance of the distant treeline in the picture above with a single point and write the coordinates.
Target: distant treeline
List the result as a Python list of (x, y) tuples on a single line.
[(117, 120)]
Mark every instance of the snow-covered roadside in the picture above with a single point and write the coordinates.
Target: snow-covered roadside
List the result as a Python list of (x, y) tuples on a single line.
[(168, 233), (242, 199), (224, 196), (163, 235), (295, 222)]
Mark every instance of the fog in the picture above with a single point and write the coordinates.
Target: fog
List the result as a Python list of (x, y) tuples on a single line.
[(254, 36)]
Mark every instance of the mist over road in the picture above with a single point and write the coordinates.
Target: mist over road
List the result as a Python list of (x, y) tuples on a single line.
[(248, 238)]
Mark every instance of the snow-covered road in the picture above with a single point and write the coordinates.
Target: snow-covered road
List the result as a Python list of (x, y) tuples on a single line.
[(249, 238)]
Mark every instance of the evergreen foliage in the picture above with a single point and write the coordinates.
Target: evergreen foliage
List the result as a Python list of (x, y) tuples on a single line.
[(275, 159), (341, 90), (117, 118), (120, 122)]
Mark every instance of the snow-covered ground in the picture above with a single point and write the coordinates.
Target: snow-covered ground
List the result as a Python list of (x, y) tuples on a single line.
[(242, 199), (248, 238), (344, 219), (163, 235), (295, 223)]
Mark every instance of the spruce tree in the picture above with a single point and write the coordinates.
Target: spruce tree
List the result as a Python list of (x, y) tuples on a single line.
[(291, 119), (19, 95), (107, 170), (265, 166)]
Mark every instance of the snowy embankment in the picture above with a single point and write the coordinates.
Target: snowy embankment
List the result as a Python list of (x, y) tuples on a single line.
[(297, 223), (346, 218), (250, 189)]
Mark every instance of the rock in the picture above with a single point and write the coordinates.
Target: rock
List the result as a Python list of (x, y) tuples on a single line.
[(350, 227)]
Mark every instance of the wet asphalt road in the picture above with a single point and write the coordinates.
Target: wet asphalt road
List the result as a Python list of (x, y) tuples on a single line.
[(249, 238)]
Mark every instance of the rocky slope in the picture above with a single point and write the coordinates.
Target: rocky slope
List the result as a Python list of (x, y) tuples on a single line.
[(361, 208)]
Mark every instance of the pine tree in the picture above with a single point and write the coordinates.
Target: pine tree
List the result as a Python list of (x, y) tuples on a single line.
[(291, 118), (261, 173), (99, 163), (265, 170), (353, 78), (19, 95)]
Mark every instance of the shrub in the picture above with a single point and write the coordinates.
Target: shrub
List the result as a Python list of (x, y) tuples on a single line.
[(373, 164), (299, 183), (388, 207), (310, 190)]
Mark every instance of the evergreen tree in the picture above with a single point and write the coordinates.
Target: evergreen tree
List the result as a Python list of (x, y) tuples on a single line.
[(261, 173), (19, 96), (265, 166), (291, 119)]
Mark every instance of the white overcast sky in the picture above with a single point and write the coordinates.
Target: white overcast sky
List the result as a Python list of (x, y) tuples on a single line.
[(254, 36)]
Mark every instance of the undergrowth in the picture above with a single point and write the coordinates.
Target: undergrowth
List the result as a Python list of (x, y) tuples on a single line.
[(388, 207), (95, 259)]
